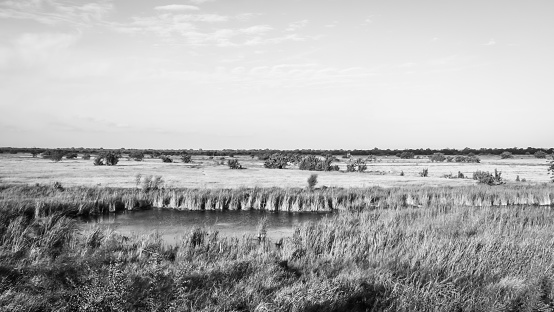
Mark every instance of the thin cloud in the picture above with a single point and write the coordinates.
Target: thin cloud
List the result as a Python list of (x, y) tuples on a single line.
[(177, 7), (490, 43), (297, 25), (256, 30), (200, 1), (56, 12)]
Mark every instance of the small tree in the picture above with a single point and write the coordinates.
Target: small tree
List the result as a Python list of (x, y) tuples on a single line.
[(108, 159), (56, 155), (506, 155), (312, 181), (166, 159), (35, 152), (540, 154), (111, 158), (86, 156)]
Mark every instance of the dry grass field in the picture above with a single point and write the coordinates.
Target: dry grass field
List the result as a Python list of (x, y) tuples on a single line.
[(208, 173)]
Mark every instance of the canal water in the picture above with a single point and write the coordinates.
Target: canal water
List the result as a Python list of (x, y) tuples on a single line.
[(172, 224)]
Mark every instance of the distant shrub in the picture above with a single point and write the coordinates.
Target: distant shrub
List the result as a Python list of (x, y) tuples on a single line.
[(424, 173), (506, 155), (485, 177), (107, 158), (523, 180), (467, 159), (56, 155), (437, 157), (314, 163), (461, 175), (407, 155), (276, 161), (401, 173), (449, 159), (98, 161), (517, 179), (186, 158), (312, 181), (137, 155), (111, 158), (166, 159), (34, 153), (71, 156), (234, 164), (86, 156), (540, 154), (359, 165)]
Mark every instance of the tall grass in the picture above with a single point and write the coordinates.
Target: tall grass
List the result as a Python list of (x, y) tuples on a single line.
[(46, 200), (441, 258)]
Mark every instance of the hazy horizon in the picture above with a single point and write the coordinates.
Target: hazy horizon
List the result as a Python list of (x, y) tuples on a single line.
[(290, 74)]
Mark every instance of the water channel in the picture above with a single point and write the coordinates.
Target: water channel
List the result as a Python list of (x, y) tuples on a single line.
[(172, 224)]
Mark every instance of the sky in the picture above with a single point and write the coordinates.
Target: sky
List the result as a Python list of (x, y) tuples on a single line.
[(287, 74)]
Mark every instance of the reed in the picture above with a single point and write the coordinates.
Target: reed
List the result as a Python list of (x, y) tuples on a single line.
[(46, 200)]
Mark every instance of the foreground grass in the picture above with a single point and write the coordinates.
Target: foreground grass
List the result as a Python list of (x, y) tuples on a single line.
[(441, 257)]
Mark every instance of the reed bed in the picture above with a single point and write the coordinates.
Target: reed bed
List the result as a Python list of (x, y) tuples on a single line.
[(45, 200)]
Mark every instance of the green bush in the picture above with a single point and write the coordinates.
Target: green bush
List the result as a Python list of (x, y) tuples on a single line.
[(107, 158), (166, 159), (56, 155), (358, 165), (137, 155), (186, 158), (86, 156), (234, 164), (467, 159), (407, 155), (540, 154), (314, 163), (275, 161), (506, 155), (485, 177), (71, 156), (437, 157)]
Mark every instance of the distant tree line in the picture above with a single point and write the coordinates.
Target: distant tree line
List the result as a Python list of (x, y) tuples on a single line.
[(404, 153)]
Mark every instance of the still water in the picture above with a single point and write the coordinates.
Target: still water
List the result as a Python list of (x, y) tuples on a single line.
[(172, 224)]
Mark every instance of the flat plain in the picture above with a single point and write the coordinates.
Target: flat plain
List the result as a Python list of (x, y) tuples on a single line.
[(204, 172)]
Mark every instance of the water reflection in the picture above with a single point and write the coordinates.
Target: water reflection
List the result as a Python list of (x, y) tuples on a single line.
[(171, 224)]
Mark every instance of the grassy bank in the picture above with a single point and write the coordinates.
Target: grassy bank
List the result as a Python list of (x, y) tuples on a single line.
[(45, 200), (439, 258)]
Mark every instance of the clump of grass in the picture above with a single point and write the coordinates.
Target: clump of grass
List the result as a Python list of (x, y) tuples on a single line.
[(424, 172)]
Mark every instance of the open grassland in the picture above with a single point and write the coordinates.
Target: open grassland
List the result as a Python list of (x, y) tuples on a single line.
[(209, 173), (434, 258)]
